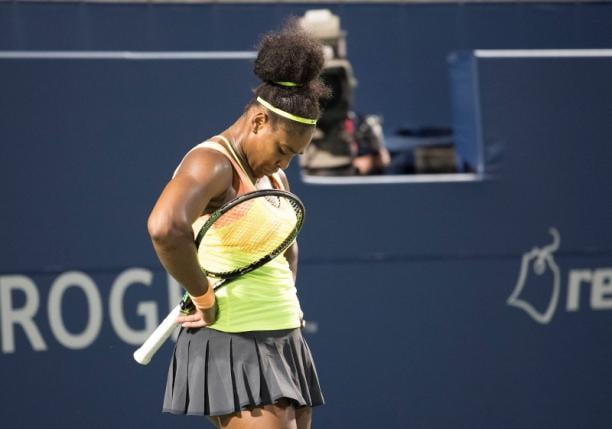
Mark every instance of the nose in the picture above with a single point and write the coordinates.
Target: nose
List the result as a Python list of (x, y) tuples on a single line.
[(284, 162)]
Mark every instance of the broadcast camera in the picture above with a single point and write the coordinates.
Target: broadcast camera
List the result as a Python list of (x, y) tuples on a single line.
[(343, 140)]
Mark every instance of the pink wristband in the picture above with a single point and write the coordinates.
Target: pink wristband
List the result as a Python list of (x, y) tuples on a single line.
[(206, 301)]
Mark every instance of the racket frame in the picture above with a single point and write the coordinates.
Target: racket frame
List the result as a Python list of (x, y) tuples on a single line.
[(264, 260), (146, 352)]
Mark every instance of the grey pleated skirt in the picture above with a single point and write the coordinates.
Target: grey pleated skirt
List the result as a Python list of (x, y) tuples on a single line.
[(215, 373)]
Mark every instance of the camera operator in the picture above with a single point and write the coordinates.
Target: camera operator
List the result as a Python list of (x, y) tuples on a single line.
[(344, 143)]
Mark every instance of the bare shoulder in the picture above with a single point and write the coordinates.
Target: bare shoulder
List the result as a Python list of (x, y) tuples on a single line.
[(205, 164)]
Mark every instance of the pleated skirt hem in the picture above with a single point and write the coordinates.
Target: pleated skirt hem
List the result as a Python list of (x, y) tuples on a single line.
[(233, 410), (216, 373)]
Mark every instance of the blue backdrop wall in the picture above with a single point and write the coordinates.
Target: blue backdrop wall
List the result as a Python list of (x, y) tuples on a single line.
[(398, 51), (478, 302)]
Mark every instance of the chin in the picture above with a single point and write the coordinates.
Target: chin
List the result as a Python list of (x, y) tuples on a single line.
[(265, 172)]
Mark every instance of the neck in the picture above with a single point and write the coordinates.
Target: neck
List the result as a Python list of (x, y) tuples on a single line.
[(236, 134)]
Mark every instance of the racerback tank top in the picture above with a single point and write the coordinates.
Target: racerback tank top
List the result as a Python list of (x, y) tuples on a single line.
[(264, 299)]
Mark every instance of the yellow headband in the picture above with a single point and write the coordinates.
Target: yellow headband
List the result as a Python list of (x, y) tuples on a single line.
[(286, 114), (288, 84)]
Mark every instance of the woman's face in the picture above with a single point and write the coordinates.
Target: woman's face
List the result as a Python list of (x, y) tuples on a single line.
[(271, 148)]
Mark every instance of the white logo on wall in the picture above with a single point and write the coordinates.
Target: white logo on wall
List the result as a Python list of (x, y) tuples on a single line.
[(537, 261), (24, 305), (538, 266)]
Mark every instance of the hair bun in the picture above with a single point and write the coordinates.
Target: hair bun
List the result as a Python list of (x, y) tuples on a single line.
[(291, 55)]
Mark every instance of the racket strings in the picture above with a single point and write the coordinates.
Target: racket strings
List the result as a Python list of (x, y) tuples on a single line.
[(249, 232)]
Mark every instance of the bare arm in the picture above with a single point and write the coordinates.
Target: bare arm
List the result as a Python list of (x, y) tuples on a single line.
[(203, 175), (291, 254)]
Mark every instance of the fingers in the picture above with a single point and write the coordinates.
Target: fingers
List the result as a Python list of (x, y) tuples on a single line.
[(196, 319), (193, 320), (197, 324), (193, 317)]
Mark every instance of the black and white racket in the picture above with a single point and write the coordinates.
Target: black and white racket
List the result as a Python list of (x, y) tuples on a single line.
[(241, 236)]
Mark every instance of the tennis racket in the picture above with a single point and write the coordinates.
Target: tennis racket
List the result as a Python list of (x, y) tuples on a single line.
[(244, 234)]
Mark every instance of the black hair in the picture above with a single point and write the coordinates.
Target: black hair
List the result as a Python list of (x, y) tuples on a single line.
[(291, 55)]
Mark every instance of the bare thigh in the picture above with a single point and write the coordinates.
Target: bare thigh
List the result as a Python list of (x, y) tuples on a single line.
[(303, 417), (282, 415)]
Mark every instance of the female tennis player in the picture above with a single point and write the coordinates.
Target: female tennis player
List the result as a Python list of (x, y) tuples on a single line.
[(240, 357)]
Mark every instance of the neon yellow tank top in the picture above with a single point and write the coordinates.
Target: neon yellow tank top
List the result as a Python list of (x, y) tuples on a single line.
[(264, 299)]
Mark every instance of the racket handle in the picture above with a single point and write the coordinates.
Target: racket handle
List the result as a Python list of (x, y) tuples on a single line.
[(144, 354)]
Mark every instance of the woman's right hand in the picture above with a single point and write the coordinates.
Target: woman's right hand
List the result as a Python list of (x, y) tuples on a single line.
[(198, 318)]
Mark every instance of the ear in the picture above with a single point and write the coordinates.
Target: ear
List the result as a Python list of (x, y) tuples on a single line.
[(259, 121)]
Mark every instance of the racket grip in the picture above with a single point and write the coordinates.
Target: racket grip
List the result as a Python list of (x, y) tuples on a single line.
[(159, 336)]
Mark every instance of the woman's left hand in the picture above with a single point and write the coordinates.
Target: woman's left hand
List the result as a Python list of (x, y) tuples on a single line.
[(198, 318)]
